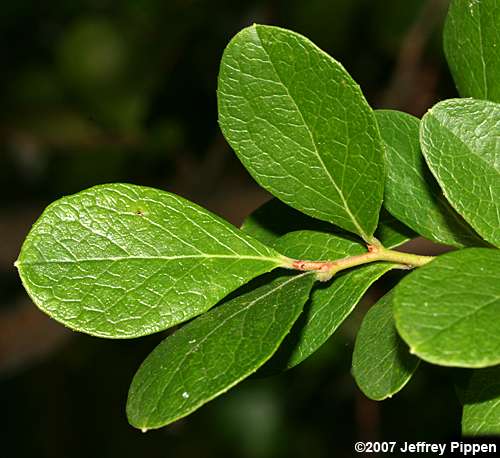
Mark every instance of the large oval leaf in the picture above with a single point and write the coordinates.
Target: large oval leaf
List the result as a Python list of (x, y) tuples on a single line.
[(124, 261), (471, 45), (460, 139), (411, 193), (381, 363), (214, 352), (301, 126), (448, 310)]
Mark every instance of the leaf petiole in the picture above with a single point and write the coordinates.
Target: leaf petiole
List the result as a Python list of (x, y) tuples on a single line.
[(327, 269)]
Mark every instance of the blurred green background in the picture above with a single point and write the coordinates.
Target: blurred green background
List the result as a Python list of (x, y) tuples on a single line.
[(96, 91)]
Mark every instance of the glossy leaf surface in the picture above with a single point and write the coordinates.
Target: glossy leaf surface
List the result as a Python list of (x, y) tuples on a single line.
[(447, 311), (460, 139), (301, 126), (124, 261)]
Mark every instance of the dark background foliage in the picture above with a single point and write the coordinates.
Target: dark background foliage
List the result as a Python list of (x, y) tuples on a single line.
[(101, 91)]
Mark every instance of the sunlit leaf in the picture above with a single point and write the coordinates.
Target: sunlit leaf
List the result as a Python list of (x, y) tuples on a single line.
[(301, 126), (447, 311), (124, 261), (460, 142)]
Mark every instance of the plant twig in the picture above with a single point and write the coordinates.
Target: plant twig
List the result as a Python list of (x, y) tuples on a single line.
[(327, 269)]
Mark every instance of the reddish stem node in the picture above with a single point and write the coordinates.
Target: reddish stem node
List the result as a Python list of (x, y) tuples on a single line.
[(320, 266)]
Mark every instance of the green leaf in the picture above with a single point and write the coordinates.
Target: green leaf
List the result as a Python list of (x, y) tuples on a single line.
[(447, 311), (459, 139), (331, 302), (274, 219), (391, 232), (481, 401), (471, 45), (411, 193), (213, 353), (381, 364), (301, 126), (124, 261)]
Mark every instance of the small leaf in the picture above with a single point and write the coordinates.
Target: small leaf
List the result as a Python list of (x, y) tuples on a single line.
[(381, 364), (411, 193), (301, 126), (481, 401), (459, 139), (447, 311), (331, 302), (274, 219), (211, 354), (471, 45), (124, 261), (391, 232)]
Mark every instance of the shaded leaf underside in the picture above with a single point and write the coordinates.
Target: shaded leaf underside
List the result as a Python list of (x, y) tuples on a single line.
[(412, 194), (381, 363), (211, 354)]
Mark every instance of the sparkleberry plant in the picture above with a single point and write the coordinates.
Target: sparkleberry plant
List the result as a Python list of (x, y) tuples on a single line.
[(122, 261)]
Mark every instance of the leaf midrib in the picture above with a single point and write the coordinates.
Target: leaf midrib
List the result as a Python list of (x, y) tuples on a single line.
[(481, 53), (458, 321), (463, 143), (150, 258)]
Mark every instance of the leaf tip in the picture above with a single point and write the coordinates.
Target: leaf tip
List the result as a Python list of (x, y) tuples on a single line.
[(144, 429)]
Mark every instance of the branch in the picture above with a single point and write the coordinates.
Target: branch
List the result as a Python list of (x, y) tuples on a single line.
[(327, 269)]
